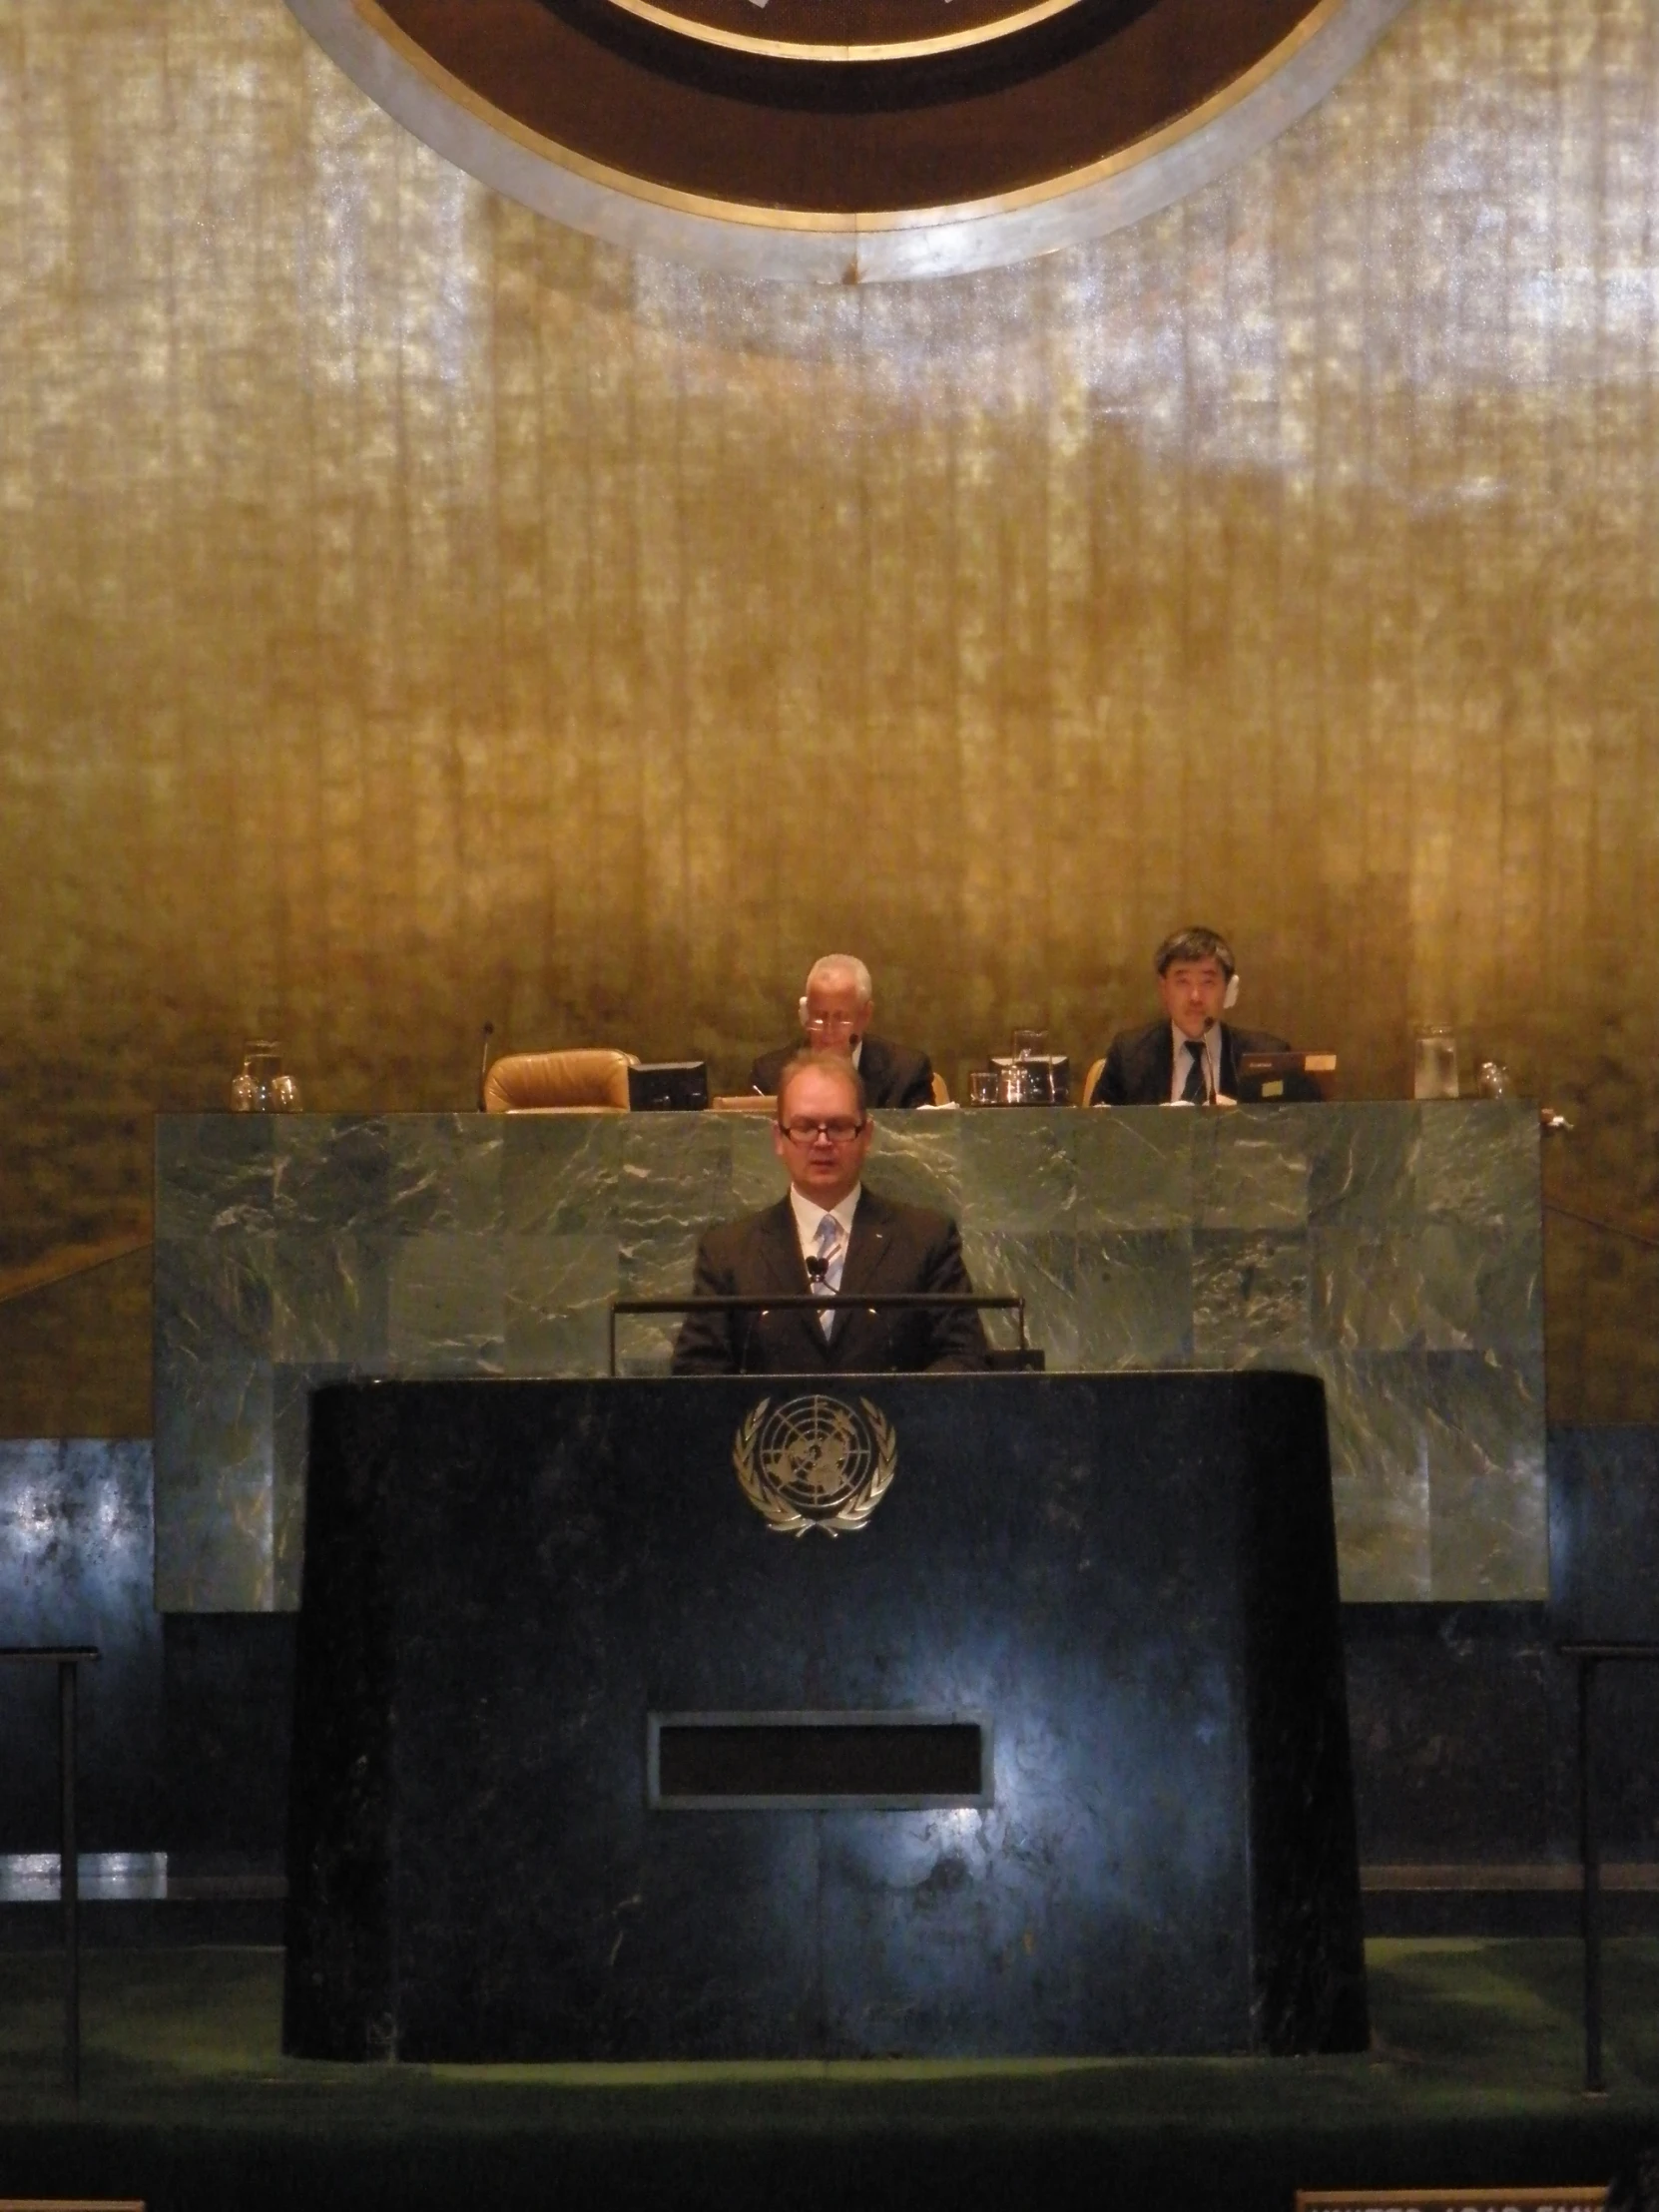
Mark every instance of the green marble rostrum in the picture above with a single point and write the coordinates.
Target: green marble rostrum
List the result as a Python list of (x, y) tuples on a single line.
[(1394, 1249)]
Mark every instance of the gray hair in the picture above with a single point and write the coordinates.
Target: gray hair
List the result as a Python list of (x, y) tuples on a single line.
[(833, 968)]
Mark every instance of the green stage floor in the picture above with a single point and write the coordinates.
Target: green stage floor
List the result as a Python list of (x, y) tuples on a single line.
[(187, 2103)]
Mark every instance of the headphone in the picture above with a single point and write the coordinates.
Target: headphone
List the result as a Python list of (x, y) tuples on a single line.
[(1232, 999)]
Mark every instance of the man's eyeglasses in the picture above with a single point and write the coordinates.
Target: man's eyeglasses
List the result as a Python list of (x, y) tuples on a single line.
[(804, 1132), (828, 1024)]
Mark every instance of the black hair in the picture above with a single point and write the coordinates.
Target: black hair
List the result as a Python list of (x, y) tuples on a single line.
[(1195, 944)]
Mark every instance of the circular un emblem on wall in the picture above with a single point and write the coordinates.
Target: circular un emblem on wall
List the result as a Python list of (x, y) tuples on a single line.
[(845, 140), (816, 1463)]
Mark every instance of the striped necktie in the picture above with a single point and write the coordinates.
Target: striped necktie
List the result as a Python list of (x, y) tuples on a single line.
[(832, 1251)]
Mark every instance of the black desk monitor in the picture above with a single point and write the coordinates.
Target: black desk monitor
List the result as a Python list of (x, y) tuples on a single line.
[(669, 1086)]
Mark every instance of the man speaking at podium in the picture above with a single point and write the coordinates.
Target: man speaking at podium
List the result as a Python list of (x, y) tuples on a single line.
[(829, 1234)]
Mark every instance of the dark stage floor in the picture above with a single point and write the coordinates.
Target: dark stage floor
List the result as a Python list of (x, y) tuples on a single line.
[(187, 2103)]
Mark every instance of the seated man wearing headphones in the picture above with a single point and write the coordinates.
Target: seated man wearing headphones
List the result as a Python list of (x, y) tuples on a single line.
[(1191, 1056)]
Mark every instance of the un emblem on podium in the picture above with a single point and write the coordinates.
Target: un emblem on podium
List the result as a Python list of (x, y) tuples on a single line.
[(816, 1463)]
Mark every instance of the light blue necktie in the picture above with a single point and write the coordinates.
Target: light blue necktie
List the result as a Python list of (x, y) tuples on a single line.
[(831, 1249)]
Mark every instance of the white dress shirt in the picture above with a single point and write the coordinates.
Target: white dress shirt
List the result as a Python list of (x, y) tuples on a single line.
[(1184, 1060), (806, 1218)]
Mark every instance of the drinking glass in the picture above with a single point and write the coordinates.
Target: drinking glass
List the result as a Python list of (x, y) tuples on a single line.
[(261, 1087), (1435, 1073), (1031, 1050)]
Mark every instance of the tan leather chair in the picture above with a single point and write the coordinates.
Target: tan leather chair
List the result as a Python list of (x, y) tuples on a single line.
[(588, 1079), (1096, 1069)]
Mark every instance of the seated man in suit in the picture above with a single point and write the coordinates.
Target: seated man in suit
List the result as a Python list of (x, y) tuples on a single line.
[(829, 1232), (835, 1018), (1191, 1055)]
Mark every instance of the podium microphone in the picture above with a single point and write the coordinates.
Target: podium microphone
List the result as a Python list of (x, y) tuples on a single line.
[(485, 1062)]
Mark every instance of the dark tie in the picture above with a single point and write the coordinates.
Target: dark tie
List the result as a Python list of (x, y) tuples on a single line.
[(1195, 1090)]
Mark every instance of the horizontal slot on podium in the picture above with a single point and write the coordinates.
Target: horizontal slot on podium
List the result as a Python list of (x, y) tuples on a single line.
[(817, 1762)]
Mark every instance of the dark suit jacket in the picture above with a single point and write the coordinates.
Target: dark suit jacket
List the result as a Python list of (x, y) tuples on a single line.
[(1140, 1064), (892, 1077), (892, 1248)]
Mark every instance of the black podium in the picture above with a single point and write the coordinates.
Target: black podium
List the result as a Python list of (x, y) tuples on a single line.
[(606, 1748)]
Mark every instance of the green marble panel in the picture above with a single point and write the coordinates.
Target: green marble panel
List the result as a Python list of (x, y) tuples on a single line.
[(673, 1176), (1134, 1168), (1440, 1285), (291, 1397), (1393, 1249), (1042, 1269), (214, 1175), (1027, 1189), (447, 1304), (1380, 1474), (1484, 1438), (558, 1172), (1481, 1287), (1250, 1168), (213, 1420), (756, 1178), (1133, 1300), (645, 1346), (330, 1296), (915, 1158), (1364, 1284), (215, 1507), (652, 1266), (658, 1266), (213, 1298), (332, 1173), (1363, 1166), (1477, 1161), (444, 1173), (558, 1295), (1250, 1296)]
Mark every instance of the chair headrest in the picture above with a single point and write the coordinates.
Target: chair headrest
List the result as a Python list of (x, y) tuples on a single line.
[(590, 1075)]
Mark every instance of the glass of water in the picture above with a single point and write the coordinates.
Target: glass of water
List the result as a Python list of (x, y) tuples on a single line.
[(1435, 1071)]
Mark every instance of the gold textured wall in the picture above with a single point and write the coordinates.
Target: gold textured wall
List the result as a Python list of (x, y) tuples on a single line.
[(412, 612)]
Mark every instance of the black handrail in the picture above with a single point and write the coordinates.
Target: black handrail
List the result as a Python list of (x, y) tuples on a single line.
[(1589, 1656), (66, 1658), (1608, 1227), (819, 1302), (68, 1262)]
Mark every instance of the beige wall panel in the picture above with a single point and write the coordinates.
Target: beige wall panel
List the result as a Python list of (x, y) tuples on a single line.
[(413, 613), (71, 1355)]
